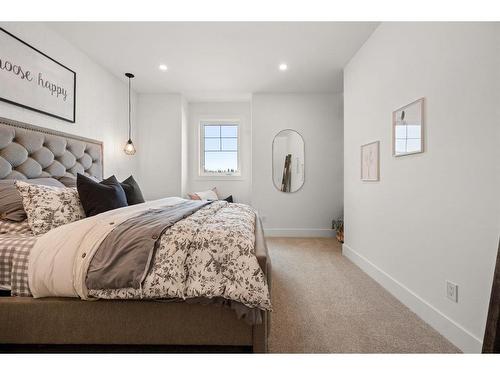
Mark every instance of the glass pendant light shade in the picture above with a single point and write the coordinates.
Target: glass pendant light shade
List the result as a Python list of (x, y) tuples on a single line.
[(129, 146)]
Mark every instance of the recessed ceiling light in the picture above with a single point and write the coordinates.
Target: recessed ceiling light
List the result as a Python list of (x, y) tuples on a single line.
[(163, 67), (283, 67)]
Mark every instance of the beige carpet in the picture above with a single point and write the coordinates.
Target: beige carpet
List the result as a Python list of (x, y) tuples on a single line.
[(323, 303)]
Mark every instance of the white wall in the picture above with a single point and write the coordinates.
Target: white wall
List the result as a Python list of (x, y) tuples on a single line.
[(101, 98), (318, 118), (184, 148), (159, 148), (434, 216), (239, 187)]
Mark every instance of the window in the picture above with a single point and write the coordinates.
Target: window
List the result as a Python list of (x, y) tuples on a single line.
[(219, 148)]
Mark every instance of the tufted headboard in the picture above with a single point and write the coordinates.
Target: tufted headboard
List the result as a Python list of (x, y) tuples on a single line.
[(28, 151)]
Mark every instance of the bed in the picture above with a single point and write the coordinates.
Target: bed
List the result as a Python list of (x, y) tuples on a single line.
[(68, 322)]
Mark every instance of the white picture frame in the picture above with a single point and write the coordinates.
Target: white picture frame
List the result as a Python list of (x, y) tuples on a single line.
[(408, 129), (370, 161), (30, 79)]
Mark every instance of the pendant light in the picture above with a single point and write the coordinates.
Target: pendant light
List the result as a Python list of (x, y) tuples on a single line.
[(129, 146)]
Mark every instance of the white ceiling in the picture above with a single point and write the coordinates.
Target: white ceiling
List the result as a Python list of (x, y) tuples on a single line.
[(222, 60)]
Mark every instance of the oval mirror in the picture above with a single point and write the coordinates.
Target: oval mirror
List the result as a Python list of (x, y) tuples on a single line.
[(288, 161)]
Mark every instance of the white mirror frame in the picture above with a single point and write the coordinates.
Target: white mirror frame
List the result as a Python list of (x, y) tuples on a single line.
[(421, 100), (272, 157)]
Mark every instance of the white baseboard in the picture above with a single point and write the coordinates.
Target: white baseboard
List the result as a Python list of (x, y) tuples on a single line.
[(292, 232), (455, 333)]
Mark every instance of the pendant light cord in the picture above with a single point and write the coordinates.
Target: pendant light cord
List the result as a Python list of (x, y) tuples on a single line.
[(129, 111)]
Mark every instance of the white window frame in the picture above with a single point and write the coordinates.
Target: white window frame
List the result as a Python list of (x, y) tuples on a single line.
[(201, 143)]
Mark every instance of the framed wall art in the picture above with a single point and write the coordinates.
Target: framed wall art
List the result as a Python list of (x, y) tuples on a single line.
[(31, 79), (370, 161), (408, 129)]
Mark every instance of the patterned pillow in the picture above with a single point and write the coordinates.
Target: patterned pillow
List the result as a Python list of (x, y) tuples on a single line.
[(11, 204), (49, 207)]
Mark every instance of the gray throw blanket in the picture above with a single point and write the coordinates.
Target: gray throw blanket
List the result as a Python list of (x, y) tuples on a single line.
[(124, 257)]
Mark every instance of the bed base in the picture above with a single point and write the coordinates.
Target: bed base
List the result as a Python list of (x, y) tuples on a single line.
[(121, 349), (71, 324)]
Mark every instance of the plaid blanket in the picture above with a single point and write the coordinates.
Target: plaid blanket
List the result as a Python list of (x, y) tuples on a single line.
[(7, 226), (14, 256)]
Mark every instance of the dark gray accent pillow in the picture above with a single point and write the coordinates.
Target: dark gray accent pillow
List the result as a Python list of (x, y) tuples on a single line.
[(11, 203), (99, 197), (132, 191)]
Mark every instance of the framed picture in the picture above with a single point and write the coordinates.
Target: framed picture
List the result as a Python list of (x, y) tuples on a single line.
[(370, 164), (408, 129), (31, 79)]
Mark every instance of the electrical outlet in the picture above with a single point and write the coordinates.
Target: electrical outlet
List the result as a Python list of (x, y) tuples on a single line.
[(452, 291)]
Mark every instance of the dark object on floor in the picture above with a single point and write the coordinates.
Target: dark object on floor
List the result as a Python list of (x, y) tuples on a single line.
[(491, 342), (338, 226), (229, 199), (21, 348), (4, 293)]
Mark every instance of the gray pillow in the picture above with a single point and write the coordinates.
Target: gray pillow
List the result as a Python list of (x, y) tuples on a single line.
[(11, 203), (68, 181)]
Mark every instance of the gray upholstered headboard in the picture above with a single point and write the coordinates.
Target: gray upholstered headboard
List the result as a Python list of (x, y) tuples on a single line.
[(28, 151)]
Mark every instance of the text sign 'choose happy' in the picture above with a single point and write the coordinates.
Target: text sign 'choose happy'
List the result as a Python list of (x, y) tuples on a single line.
[(33, 80)]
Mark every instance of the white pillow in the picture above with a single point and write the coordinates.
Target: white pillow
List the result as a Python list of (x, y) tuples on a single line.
[(209, 195), (49, 207)]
